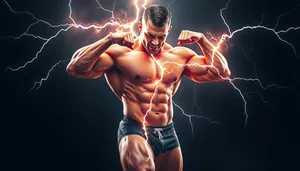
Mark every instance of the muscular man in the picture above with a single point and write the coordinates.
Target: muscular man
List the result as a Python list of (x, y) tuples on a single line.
[(145, 73)]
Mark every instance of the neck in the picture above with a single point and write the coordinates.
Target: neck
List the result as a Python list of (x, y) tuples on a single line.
[(138, 45)]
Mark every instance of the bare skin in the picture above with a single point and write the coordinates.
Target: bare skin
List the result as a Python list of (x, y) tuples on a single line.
[(145, 74)]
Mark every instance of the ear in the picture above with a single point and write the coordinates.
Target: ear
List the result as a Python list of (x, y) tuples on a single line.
[(140, 26), (170, 28)]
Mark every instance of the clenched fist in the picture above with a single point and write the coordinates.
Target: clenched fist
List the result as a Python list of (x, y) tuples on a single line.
[(189, 37), (123, 38)]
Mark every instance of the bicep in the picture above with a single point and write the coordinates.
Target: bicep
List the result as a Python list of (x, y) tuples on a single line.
[(196, 66), (103, 64), (199, 71)]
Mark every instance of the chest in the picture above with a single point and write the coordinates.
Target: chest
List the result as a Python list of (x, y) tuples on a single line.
[(144, 69)]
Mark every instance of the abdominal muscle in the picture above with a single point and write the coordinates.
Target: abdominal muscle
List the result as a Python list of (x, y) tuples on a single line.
[(148, 103)]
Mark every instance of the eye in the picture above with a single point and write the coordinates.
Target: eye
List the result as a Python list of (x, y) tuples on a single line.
[(150, 35)]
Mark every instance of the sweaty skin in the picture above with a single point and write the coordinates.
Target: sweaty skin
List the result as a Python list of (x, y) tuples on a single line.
[(141, 76), (145, 74)]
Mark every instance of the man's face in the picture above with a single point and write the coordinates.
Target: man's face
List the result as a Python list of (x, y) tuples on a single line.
[(152, 37)]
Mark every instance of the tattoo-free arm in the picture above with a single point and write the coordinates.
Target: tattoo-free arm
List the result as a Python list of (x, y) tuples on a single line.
[(208, 68), (91, 61)]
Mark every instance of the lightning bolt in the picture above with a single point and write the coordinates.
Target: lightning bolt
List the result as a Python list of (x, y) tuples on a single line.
[(273, 30), (256, 75), (170, 3), (117, 22), (195, 103), (261, 97), (190, 118), (39, 83), (277, 33), (123, 25), (246, 55), (41, 49), (278, 18), (151, 101)]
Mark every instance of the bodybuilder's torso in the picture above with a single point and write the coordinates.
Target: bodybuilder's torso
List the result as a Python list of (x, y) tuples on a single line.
[(146, 83)]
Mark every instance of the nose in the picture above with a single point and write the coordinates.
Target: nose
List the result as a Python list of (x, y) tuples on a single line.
[(155, 41)]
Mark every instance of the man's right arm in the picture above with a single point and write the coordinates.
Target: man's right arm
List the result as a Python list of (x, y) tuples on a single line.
[(91, 61)]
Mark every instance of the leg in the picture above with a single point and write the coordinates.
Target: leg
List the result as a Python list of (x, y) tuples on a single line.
[(134, 154), (169, 161)]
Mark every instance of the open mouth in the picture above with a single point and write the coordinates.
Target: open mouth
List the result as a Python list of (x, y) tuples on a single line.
[(153, 48)]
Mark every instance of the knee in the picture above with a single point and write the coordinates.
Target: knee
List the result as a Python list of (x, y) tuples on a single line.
[(147, 164)]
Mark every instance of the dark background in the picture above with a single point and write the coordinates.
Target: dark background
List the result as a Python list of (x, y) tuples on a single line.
[(71, 124)]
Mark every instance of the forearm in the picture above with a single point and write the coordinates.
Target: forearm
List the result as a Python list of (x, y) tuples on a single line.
[(214, 58), (85, 58)]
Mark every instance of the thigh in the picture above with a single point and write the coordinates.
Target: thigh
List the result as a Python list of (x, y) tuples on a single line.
[(136, 154), (169, 161)]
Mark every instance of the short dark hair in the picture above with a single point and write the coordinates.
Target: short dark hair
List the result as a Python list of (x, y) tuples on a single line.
[(158, 14)]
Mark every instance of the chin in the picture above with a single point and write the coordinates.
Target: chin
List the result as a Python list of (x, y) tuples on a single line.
[(153, 53)]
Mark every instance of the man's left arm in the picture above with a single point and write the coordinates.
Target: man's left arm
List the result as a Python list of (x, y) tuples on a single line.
[(208, 68)]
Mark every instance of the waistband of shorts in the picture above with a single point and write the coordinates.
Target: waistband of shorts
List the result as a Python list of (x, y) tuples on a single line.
[(164, 128)]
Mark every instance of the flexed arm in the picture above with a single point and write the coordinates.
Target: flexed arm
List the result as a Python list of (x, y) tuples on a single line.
[(208, 68), (93, 60)]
